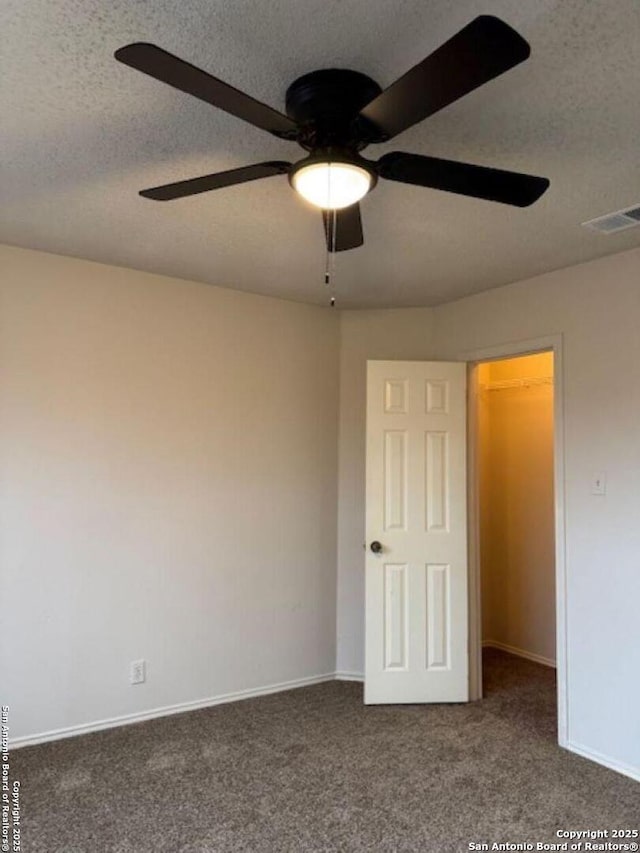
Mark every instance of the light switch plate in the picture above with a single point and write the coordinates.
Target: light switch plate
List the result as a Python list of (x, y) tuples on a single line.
[(137, 671), (599, 483)]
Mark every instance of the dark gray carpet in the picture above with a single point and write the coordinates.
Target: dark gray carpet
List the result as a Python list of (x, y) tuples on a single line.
[(314, 770)]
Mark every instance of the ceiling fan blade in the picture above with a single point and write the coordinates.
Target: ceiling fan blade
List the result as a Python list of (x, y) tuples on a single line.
[(463, 178), (482, 50), (348, 228), (166, 67), (217, 181)]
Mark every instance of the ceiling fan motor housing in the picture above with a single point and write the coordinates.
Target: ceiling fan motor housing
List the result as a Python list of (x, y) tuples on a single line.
[(326, 103)]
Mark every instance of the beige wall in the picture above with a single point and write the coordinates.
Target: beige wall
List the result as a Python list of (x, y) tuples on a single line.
[(517, 546), (168, 471)]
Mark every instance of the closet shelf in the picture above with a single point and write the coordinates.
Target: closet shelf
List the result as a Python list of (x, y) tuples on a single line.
[(503, 384)]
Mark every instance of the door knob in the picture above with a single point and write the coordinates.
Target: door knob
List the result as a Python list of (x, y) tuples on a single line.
[(376, 547)]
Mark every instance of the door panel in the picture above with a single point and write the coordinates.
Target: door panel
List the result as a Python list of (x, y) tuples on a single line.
[(416, 587)]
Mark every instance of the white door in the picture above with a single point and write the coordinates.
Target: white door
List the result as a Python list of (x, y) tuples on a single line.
[(416, 527)]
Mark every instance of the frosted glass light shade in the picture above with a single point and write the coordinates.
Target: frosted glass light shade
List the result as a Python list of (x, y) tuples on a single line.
[(332, 186)]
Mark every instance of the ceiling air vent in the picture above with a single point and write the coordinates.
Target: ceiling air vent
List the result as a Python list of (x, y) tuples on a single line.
[(617, 221)]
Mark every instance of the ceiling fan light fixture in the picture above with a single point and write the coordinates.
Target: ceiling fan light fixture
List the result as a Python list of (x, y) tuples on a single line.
[(332, 184)]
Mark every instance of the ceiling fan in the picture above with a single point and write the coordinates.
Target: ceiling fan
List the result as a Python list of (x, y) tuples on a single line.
[(334, 114)]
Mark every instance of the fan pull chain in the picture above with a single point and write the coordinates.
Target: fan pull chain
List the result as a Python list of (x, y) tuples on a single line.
[(327, 267), (331, 256), (332, 259), (331, 245)]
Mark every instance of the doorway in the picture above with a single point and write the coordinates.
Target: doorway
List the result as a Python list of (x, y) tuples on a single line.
[(402, 496), (516, 517)]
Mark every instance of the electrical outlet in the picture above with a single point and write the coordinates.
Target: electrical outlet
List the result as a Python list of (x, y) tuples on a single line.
[(137, 671)]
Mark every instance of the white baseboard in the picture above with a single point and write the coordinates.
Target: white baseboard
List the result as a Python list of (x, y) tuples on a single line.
[(349, 676), (521, 653), (599, 758), (128, 719), (181, 707)]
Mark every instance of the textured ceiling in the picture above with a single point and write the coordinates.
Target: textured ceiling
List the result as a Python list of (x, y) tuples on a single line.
[(80, 134)]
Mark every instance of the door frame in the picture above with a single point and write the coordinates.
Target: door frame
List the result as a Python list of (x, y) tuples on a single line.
[(513, 349)]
